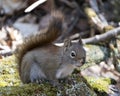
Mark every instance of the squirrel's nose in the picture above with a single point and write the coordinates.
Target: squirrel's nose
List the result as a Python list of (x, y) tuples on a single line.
[(82, 61)]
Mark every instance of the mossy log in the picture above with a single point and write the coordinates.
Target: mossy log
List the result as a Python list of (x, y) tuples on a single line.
[(75, 87), (10, 84)]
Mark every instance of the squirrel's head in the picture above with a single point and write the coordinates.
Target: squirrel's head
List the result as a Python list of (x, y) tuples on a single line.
[(74, 52)]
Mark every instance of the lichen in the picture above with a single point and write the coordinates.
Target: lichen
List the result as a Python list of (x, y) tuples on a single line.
[(79, 88), (99, 84), (97, 54)]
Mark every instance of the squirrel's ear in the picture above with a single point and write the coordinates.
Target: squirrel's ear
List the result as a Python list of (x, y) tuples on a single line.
[(80, 40), (67, 43)]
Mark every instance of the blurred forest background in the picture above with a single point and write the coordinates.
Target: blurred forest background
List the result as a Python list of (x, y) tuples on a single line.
[(96, 21)]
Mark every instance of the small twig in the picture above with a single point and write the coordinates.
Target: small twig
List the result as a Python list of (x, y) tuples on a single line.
[(94, 5), (34, 5), (98, 20), (103, 37), (5, 50)]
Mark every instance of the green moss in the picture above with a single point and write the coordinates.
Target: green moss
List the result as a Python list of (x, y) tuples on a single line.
[(99, 84), (28, 90), (8, 72)]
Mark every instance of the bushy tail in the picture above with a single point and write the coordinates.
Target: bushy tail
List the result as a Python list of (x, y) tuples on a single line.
[(42, 38)]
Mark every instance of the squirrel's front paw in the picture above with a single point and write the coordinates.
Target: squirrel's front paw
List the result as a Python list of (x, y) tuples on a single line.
[(38, 81), (54, 83)]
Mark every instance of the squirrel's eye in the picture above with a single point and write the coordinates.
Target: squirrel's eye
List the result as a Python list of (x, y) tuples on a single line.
[(73, 54)]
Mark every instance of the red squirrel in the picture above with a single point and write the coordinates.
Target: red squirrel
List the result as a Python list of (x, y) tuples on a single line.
[(38, 58)]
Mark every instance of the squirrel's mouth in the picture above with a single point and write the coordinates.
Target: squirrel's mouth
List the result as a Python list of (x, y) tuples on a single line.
[(78, 64)]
